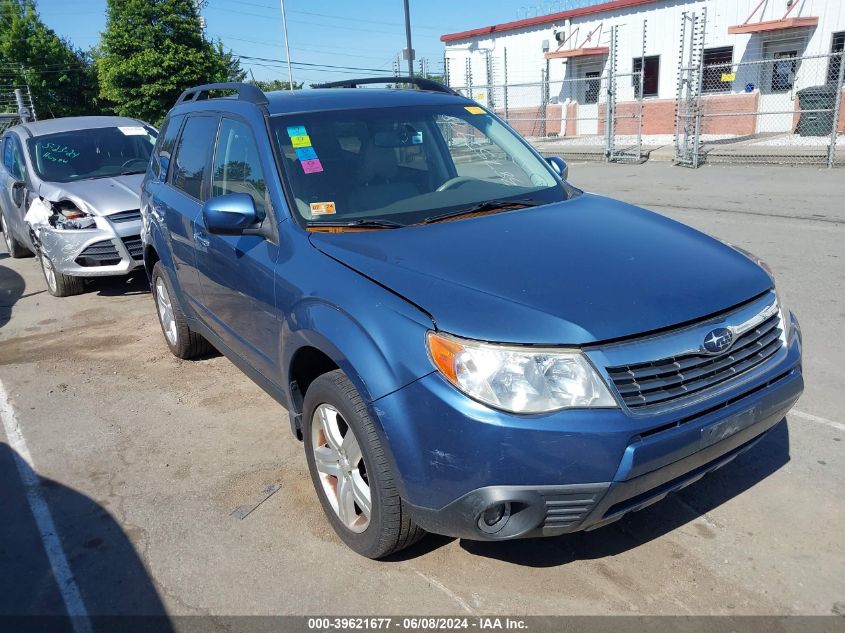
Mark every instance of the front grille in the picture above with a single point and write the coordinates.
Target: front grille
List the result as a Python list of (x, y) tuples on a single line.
[(134, 246), (664, 380), (99, 254), (125, 216)]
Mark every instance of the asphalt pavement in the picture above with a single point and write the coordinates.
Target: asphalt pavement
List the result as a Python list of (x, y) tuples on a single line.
[(173, 487)]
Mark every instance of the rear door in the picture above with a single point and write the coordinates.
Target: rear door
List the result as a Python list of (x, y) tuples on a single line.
[(180, 200), (236, 271)]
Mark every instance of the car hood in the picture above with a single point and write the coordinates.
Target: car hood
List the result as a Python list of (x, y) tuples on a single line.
[(577, 272), (98, 196)]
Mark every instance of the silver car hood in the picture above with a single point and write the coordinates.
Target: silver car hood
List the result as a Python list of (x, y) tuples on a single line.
[(98, 196)]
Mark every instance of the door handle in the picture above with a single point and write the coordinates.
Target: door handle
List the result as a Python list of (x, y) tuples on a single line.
[(201, 239)]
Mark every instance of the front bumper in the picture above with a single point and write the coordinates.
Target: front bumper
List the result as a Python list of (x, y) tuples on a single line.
[(107, 249), (571, 470)]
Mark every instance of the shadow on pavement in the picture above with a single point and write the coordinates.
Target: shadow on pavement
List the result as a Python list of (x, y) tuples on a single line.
[(748, 469), (111, 578), (11, 290), (134, 283)]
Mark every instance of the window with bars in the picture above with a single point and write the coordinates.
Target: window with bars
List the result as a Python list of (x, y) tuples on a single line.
[(717, 63), (651, 76), (833, 66)]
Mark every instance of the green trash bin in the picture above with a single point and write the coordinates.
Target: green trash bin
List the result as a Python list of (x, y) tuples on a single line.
[(813, 123)]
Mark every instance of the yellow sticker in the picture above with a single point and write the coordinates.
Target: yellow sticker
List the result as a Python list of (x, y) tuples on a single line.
[(475, 110), (300, 141), (323, 208), (726, 77)]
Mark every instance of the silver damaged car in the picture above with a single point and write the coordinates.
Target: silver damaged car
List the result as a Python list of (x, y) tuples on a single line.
[(70, 196)]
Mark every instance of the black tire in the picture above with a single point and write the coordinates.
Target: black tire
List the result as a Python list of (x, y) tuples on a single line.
[(390, 527), (15, 248), (187, 344), (62, 285)]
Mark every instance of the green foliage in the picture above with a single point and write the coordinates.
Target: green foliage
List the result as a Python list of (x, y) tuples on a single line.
[(61, 77), (277, 84), (151, 51)]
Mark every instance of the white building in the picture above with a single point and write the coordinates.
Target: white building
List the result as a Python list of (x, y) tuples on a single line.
[(757, 54)]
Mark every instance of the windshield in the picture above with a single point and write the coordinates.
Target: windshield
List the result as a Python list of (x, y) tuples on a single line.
[(95, 153), (401, 166)]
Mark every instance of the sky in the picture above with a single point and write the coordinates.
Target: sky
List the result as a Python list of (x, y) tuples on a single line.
[(362, 36)]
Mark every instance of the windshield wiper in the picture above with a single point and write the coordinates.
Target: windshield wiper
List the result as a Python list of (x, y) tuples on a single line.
[(487, 205), (362, 223)]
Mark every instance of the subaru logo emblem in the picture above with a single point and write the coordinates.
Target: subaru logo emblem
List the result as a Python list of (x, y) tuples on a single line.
[(718, 340)]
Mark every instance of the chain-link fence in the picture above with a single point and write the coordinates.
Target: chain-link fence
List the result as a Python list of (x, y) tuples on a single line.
[(592, 111), (783, 108)]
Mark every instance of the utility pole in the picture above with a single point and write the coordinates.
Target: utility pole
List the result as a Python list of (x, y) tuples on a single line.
[(409, 52), (287, 48)]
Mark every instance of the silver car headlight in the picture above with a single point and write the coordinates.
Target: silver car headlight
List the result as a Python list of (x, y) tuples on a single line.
[(518, 379)]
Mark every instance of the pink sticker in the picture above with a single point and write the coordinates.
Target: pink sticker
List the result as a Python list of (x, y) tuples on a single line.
[(313, 166)]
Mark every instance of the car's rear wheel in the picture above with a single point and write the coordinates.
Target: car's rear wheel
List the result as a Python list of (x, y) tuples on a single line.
[(181, 339), (15, 248), (350, 472), (59, 284)]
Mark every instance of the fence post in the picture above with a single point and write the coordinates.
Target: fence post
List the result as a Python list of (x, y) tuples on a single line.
[(505, 82), (611, 97), (831, 152), (642, 88), (699, 79)]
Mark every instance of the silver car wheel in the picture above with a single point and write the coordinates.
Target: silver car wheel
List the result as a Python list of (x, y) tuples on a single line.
[(6, 235), (49, 272), (165, 312), (341, 468)]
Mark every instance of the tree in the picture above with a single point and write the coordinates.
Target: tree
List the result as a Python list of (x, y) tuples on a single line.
[(152, 50), (276, 84), (61, 77)]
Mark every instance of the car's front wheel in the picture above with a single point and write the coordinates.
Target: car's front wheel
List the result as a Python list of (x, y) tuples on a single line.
[(181, 339), (350, 472), (59, 284)]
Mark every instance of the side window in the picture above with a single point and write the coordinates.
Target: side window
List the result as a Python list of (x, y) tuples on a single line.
[(163, 150), (13, 157), (651, 76), (835, 62), (192, 153), (237, 166)]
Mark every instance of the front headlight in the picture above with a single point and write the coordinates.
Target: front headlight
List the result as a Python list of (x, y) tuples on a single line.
[(518, 379)]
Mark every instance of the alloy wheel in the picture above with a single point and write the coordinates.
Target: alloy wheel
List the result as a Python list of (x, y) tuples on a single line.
[(49, 272), (165, 312), (341, 468), (6, 235)]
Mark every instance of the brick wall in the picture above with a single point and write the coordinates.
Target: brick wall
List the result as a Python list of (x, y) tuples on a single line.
[(741, 125)]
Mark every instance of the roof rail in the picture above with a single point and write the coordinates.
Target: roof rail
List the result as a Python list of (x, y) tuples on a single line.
[(245, 92), (419, 82)]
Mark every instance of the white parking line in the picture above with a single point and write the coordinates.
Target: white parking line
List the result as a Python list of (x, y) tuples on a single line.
[(816, 418), (43, 519)]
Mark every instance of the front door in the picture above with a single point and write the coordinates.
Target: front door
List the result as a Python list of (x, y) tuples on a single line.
[(236, 272), (12, 172), (588, 99), (777, 86)]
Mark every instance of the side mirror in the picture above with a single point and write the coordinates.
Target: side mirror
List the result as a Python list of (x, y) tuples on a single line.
[(18, 193), (230, 214), (560, 166)]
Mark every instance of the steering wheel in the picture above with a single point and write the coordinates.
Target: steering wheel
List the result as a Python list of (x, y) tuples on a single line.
[(133, 160), (454, 182)]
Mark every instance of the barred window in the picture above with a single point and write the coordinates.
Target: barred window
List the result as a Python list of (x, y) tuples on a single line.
[(717, 62), (833, 66)]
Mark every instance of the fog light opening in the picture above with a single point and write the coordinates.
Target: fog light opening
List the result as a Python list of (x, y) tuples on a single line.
[(494, 518)]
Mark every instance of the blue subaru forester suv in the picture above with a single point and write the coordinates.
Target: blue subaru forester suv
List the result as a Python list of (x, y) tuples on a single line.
[(465, 343)]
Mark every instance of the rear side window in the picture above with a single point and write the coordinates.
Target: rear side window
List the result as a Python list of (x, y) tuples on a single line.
[(192, 154), (163, 151), (13, 157), (237, 166)]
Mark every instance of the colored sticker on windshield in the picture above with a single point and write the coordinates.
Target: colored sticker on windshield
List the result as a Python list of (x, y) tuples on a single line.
[(301, 141), (297, 130), (306, 153), (312, 166), (475, 110), (323, 208)]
